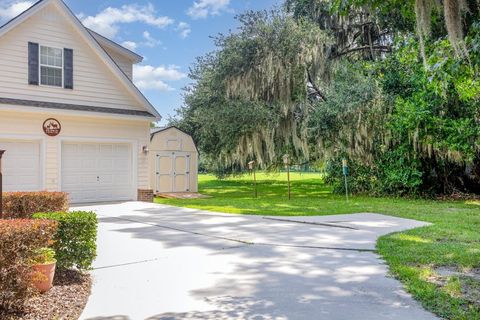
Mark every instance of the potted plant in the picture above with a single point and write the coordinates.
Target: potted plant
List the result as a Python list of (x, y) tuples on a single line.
[(43, 265)]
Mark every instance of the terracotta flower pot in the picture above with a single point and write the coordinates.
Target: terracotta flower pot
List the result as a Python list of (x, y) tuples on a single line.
[(43, 276)]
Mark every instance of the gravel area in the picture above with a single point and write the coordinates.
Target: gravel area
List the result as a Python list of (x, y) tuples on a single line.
[(65, 301)]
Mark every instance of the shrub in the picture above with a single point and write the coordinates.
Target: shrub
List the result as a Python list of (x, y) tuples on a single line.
[(21, 205), (75, 240), (43, 256), (19, 242)]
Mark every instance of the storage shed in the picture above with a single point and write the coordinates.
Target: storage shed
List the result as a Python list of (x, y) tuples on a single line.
[(173, 161)]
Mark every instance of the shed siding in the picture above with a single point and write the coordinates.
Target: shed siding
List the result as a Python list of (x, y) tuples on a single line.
[(94, 83), (159, 143)]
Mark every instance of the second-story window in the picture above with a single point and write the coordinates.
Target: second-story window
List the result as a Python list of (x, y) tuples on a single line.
[(51, 66)]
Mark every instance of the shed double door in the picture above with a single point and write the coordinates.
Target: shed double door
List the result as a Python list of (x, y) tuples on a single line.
[(173, 172)]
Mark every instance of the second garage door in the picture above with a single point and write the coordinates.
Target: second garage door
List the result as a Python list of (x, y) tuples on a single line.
[(21, 165), (97, 172)]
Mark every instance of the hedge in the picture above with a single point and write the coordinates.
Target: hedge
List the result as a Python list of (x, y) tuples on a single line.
[(19, 240), (75, 240), (21, 205)]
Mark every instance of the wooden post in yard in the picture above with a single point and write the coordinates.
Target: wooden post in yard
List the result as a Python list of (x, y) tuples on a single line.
[(1, 185), (251, 166)]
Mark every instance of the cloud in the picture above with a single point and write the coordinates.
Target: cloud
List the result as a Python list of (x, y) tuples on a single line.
[(204, 8), (130, 45), (184, 29), (11, 9), (107, 22), (149, 40), (148, 77)]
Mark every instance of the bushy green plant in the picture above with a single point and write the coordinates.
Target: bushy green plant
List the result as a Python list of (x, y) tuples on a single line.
[(361, 179), (43, 256), (21, 205), (75, 240), (19, 242)]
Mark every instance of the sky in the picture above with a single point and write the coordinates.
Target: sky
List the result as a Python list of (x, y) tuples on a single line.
[(169, 34)]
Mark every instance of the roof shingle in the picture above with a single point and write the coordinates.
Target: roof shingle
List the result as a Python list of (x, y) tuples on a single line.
[(74, 107)]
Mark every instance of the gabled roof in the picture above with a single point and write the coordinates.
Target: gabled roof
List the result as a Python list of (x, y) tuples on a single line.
[(134, 57), (87, 35), (157, 130)]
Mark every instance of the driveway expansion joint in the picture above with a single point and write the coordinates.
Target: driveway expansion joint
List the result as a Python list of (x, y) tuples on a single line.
[(312, 223), (126, 264), (249, 243), (316, 247)]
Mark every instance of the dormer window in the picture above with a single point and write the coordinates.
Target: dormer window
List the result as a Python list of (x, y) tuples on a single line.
[(51, 66)]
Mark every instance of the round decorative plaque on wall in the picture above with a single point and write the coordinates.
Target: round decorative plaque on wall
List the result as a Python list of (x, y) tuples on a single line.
[(52, 127)]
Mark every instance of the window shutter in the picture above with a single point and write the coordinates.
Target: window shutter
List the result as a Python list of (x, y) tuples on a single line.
[(68, 68), (33, 63)]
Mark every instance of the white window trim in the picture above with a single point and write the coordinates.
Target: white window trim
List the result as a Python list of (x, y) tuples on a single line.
[(40, 65)]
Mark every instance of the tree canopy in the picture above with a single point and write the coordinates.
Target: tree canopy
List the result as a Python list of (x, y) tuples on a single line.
[(391, 85)]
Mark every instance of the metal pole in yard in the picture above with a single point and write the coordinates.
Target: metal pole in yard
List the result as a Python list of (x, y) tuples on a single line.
[(346, 188), (286, 161), (345, 174), (1, 185)]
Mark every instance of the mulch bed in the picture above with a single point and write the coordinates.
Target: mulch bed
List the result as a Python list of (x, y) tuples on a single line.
[(458, 196), (65, 301)]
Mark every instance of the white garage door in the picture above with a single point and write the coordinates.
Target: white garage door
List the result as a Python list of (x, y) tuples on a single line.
[(21, 165), (96, 172)]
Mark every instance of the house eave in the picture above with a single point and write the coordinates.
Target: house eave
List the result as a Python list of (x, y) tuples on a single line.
[(8, 104), (132, 56)]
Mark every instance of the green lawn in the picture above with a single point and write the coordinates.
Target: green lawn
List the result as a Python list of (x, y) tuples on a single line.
[(452, 241)]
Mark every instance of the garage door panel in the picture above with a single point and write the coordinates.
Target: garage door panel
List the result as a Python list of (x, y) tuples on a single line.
[(88, 179), (88, 164), (106, 179), (21, 165), (106, 164), (70, 149), (106, 150), (88, 148), (70, 180), (72, 163), (121, 164), (82, 195), (121, 151), (105, 172), (121, 179)]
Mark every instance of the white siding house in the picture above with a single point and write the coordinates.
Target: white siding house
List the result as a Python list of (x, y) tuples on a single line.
[(71, 118)]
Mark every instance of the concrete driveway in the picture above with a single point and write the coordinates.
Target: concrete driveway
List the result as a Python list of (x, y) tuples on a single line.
[(161, 262)]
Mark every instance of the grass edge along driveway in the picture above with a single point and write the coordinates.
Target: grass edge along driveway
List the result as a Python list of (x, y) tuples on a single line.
[(415, 257)]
